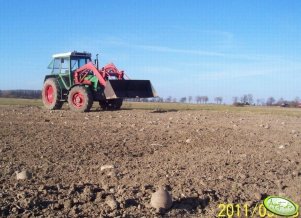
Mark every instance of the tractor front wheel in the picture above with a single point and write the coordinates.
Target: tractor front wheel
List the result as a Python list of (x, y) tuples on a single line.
[(51, 94), (80, 99), (111, 104)]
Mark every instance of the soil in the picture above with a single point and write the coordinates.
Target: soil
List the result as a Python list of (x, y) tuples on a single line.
[(108, 163)]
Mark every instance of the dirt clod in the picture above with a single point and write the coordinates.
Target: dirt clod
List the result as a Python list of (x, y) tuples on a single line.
[(23, 175), (105, 167), (161, 199), (111, 202)]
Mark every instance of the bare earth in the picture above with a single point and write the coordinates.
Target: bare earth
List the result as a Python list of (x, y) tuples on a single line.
[(205, 158)]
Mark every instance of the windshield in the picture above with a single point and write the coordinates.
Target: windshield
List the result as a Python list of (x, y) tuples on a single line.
[(77, 62), (59, 65)]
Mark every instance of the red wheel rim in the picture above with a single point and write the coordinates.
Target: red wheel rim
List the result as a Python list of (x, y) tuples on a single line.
[(49, 94), (78, 100)]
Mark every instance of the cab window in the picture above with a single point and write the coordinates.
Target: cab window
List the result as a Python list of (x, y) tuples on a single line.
[(78, 62), (59, 65)]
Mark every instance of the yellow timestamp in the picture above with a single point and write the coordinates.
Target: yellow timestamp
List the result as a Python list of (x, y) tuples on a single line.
[(244, 210)]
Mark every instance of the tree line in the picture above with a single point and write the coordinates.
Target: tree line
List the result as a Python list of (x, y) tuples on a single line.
[(246, 99), (19, 93)]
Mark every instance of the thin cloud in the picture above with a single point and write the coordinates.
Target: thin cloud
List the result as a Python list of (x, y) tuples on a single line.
[(179, 51), (164, 49)]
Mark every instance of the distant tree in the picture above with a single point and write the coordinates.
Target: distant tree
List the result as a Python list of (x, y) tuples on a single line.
[(202, 99), (270, 101), (235, 99), (218, 100), (281, 101), (168, 99), (244, 99), (183, 100), (174, 100), (250, 98), (189, 99), (295, 102), (205, 99), (0, 93), (156, 99)]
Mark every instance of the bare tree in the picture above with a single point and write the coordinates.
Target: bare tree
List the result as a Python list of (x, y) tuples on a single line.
[(295, 102), (218, 100), (202, 98), (189, 99), (250, 98), (270, 101), (183, 100), (168, 99), (244, 99), (280, 102), (174, 100)]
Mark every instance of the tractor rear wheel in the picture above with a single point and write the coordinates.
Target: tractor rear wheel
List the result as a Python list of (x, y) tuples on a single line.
[(80, 99), (51, 94), (111, 104)]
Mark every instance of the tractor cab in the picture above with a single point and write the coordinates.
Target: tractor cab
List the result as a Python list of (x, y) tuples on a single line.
[(64, 64)]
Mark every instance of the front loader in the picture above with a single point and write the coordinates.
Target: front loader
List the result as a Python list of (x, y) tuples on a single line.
[(77, 80)]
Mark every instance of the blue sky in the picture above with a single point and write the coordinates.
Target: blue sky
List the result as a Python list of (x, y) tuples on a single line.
[(213, 48)]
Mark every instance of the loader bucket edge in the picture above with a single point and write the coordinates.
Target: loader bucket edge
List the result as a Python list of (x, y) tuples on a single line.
[(129, 89)]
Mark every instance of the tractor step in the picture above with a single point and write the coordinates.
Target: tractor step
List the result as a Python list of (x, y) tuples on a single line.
[(129, 89)]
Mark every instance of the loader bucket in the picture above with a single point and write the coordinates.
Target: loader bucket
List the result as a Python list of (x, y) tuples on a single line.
[(129, 89)]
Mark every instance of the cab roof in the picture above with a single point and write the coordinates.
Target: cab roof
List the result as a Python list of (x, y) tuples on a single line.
[(74, 53)]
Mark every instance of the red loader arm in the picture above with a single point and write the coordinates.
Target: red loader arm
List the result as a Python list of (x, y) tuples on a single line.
[(111, 70), (102, 75)]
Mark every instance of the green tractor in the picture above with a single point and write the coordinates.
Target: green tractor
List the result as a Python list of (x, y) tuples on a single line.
[(77, 80)]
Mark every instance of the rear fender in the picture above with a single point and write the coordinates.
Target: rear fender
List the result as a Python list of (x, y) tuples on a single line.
[(83, 85), (49, 76)]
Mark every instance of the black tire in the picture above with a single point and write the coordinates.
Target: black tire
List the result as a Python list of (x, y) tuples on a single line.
[(80, 99), (51, 94), (111, 104)]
